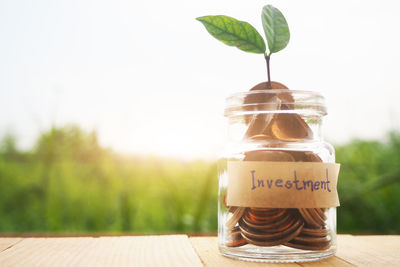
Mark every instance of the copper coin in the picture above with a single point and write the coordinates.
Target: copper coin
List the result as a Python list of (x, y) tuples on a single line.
[(281, 231), (289, 235), (263, 209), (288, 127), (235, 238), (304, 156), (266, 224), (254, 98), (263, 102), (237, 242), (258, 137), (321, 213), (312, 218), (268, 211), (235, 217), (223, 200), (312, 157), (267, 227), (283, 94), (232, 209), (315, 232), (257, 125), (266, 215), (309, 242), (317, 215), (264, 86), (281, 126), (268, 155)]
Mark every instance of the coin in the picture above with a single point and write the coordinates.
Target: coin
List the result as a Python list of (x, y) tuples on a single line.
[(268, 155), (311, 245), (312, 157), (280, 236), (278, 126), (315, 232), (262, 102), (259, 122), (267, 225), (312, 218), (321, 213), (237, 214), (311, 239), (288, 127), (235, 238)]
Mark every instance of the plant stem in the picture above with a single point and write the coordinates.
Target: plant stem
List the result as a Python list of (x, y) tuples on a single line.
[(267, 58)]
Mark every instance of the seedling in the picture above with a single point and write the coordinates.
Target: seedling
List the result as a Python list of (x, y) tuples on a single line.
[(241, 34)]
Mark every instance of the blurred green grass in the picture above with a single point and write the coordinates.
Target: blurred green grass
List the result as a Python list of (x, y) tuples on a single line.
[(68, 183)]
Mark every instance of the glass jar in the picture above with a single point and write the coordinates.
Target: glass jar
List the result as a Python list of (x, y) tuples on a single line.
[(276, 204)]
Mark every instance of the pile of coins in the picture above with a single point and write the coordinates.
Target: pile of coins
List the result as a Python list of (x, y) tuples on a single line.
[(298, 228)]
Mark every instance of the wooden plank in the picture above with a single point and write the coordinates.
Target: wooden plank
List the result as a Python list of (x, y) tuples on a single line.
[(369, 250), (7, 242), (175, 250), (332, 261), (207, 249), (104, 251)]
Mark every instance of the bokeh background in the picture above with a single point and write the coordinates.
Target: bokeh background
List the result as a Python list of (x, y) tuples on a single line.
[(111, 112)]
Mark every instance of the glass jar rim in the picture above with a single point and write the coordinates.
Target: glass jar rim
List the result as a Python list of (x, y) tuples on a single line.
[(294, 101)]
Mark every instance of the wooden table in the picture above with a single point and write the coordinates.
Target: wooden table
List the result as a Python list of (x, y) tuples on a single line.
[(175, 250)]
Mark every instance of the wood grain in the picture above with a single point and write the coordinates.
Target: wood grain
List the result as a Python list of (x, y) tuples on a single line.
[(104, 251), (175, 250), (369, 250), (207, 249), (7, 242), (332, 261)]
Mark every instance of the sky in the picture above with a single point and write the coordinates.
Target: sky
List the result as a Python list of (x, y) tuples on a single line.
[(150, 80)]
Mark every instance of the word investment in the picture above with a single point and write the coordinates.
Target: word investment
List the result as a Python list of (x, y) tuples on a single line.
[(290, 183)]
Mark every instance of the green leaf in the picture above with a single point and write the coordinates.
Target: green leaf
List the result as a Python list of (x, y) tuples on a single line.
[(276, 28), (233, 32)]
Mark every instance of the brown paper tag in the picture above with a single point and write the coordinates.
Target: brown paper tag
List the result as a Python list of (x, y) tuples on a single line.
[(265, 184)]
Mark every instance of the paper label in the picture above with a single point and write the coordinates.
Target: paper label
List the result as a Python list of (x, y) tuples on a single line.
[(265, 184)]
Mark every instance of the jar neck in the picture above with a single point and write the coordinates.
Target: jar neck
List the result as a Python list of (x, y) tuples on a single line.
[(275, 128), (275, 116)]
